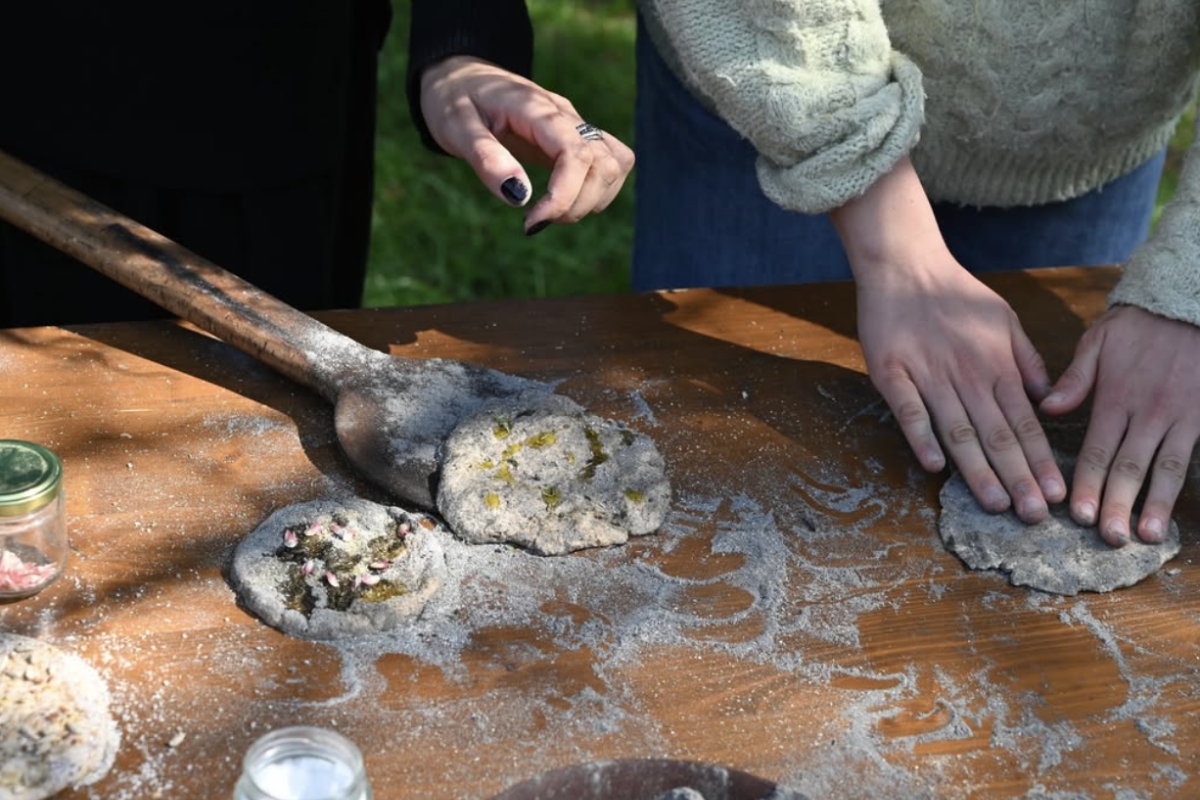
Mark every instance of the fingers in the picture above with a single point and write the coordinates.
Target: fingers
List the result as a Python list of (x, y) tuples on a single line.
[(496, 120), (1010, 464), (1022, 456), (962, 440), (587, 173), (1144, 423), (1170, 471), (1078, 379), (1119, 456), (904, 399), (1005, 445), (1029, 363), (956, 374), (1023, 417), (495, 165)]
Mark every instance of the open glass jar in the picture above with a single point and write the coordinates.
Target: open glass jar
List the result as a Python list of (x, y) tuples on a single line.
[(303, 763), (33, 527)]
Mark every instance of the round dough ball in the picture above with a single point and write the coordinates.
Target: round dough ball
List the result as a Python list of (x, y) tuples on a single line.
[(330, 569), (540, 472), (55, 727)]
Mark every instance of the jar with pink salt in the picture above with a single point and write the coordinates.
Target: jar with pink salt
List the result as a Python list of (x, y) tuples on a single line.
[(33, 528)]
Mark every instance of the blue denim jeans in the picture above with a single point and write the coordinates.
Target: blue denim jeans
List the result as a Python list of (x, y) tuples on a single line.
[(702, 220)]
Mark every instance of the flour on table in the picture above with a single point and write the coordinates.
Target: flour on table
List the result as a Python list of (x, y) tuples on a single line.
[(56, 730), (540, 472), (329, 569), (1056, 555)]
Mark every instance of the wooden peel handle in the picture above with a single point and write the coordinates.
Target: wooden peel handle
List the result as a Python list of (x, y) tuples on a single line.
[(180, 281)]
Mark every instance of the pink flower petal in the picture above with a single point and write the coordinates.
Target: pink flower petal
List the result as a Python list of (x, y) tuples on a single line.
[(17, 575)]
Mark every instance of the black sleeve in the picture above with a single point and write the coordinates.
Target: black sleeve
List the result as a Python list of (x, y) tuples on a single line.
[(496, 30)]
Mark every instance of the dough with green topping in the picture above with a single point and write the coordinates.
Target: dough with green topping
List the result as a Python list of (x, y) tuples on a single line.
[(331, 569), (56, 731), (540, 472)]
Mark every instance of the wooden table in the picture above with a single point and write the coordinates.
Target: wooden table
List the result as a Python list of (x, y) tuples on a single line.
[(797, 617)]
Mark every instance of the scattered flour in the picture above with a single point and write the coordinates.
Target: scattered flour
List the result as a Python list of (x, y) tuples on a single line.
[(618, 609), (789, 589)]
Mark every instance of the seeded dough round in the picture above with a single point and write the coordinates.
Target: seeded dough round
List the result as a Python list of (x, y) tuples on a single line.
[(1056, 555), (55, 727), (330, 569), (540, 472)]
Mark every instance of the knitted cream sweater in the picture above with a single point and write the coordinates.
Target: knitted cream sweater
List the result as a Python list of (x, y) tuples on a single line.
[(1014, 102)]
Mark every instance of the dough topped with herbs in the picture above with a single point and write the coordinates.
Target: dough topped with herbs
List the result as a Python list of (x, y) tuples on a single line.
[(329, 569), (540, 472)]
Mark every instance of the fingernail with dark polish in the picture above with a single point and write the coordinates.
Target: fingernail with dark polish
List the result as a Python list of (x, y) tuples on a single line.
[(515, 191), (534, 230)]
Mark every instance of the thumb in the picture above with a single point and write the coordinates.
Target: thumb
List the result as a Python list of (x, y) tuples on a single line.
[(500, 171), (1077, 379), (1030, 364)]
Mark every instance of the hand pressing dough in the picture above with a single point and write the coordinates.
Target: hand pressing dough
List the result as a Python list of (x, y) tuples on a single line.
[(331, 569), (540, 472), (1056, 555), (55, 728)]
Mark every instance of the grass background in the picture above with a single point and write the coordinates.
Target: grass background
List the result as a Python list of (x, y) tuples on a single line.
[(439, 236)]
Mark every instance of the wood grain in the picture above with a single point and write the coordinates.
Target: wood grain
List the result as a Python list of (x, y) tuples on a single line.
[(805, 624)]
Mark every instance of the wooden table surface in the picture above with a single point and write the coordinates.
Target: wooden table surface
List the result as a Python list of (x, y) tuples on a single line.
[(796, 618)]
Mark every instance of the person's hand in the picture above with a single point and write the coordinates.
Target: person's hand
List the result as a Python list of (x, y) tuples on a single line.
[(1144, 423), (494, 119), (957, 370), (947, 353)]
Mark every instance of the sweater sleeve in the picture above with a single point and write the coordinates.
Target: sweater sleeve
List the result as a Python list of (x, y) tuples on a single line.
[(814, 85), (495, 30), (1163, 276)]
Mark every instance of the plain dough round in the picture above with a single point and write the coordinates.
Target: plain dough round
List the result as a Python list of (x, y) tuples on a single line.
[(55, 727), (260, 576), (1056, 555), (540, 472)]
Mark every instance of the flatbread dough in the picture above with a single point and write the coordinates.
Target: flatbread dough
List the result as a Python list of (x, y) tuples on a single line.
[(55, 727), (540, 472), (330, 569), (1056, 555)]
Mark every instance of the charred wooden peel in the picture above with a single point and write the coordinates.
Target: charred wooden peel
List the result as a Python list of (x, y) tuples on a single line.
[(391, 414)]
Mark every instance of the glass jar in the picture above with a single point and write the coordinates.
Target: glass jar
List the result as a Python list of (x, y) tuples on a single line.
[(33, 526), (303, 763)]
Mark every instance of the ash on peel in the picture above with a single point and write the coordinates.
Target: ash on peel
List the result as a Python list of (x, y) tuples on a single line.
[(540, 472)]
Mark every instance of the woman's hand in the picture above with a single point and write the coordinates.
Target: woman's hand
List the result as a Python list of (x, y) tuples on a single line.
[(947, 354), (494, 119), (1145, 419)]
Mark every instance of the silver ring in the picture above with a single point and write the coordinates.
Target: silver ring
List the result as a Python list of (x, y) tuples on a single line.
[(589, 131)]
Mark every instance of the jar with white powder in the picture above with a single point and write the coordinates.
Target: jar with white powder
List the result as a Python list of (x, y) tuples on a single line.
[(303, 763)]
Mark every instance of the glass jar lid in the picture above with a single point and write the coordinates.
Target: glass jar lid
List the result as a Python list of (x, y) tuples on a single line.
[(30, 477)]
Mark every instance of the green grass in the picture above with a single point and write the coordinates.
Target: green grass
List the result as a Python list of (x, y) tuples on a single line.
[(439, 236), (1182, 140)]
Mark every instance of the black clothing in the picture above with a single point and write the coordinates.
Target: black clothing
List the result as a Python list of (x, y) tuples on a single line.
[(243, 129), (495, 30)]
